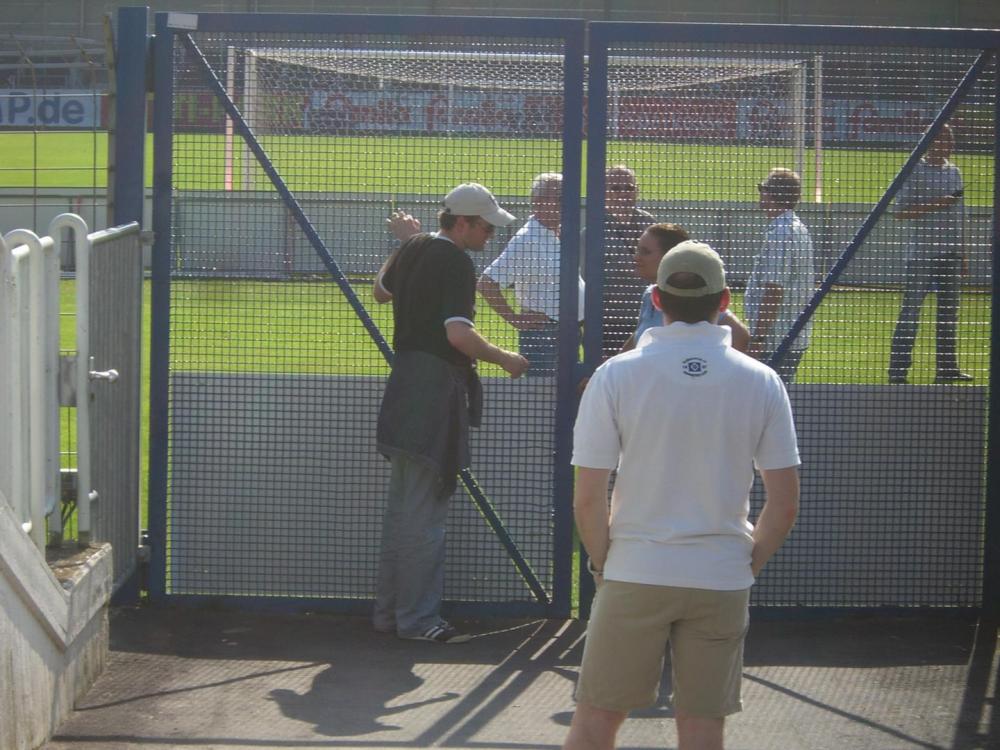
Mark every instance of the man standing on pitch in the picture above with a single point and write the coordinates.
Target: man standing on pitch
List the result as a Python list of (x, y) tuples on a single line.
[(676, 556), (783, 278), (932, 204), (431, 398)]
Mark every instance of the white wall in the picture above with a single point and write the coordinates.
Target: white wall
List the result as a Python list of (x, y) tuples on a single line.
[(54, 634)]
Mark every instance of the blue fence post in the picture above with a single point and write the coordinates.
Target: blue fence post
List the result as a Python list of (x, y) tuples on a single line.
[(130, 115), (562, 548), (127, 181), (593, 345), (159, 356), (991, 532)]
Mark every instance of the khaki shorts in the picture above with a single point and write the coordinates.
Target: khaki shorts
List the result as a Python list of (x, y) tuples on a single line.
[(630, 626)]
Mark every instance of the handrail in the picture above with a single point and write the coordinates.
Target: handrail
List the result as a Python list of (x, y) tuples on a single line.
[(33, 266), (35, 379)]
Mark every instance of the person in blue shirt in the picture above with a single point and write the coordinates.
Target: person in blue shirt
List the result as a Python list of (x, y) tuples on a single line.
[(653, 244)]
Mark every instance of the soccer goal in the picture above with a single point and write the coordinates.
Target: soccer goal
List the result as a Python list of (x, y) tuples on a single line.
[(462, 93)]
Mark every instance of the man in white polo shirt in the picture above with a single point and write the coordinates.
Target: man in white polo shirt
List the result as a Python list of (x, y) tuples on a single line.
[(530, 265), (676, 555)]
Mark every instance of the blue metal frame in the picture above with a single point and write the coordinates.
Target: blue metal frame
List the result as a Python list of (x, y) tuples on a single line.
[(312, 23), (604, 32), (568, 372), (603, 35), (159, 356), (128, 186), (597, 133), (991, 533), (130, 115), (573, 34)]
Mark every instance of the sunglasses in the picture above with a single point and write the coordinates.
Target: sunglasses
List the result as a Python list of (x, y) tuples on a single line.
[(620, 187)]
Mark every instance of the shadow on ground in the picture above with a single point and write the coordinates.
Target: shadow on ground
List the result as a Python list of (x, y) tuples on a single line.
[(216, 678)]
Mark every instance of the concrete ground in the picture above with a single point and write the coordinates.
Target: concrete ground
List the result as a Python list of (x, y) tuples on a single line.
[(198, 678)]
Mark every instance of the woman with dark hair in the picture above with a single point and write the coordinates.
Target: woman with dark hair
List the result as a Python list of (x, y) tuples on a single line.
[(653, 245)]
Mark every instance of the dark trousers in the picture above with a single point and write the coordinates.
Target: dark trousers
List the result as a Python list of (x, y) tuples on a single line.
[(941, 272), (541, 349)]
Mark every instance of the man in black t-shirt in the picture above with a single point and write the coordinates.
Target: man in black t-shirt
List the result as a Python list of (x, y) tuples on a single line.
[(430, 400)]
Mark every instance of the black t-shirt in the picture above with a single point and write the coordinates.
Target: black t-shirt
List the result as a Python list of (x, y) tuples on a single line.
[(622, 287), (431, 282)]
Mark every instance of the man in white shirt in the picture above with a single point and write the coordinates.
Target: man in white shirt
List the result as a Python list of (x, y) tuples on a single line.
[(783, 278), (530, 265), (676, 555)]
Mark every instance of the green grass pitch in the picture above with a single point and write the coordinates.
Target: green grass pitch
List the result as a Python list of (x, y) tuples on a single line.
[(307, 327), (427, 166)]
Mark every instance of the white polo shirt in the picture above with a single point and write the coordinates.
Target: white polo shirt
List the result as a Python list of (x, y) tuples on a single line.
[(530, 264), (683, 417)]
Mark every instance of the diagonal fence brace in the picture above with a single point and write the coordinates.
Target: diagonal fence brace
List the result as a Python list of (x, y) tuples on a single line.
[(960, 92), (483, 503)]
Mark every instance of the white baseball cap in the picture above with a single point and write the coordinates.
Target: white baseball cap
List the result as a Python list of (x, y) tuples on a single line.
[(472, 199), (696, 258)]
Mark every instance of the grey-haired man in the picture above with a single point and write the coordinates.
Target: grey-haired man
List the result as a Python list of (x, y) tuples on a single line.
[(530, 265), (431, 399), (676, 555)]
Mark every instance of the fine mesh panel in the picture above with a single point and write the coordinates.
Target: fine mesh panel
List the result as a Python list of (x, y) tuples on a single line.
[(275, 486), (115, 343), (893, 455)]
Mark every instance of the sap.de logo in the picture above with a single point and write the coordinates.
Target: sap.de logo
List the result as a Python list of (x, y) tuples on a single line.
[(694, 367)]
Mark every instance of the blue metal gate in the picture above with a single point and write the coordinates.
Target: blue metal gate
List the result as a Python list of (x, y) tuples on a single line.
[(266, 483), (282, 142), (894, 476)]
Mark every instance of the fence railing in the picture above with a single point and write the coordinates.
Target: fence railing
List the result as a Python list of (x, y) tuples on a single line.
[(37, 382)]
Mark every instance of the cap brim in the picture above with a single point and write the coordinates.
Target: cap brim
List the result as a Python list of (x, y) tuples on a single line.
[(498, 218)]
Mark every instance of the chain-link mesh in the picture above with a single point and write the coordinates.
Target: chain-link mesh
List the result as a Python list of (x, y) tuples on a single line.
[(889, 396), (276, 488)]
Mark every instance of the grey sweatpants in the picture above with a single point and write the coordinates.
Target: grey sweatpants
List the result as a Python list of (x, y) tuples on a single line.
[(411, 562)]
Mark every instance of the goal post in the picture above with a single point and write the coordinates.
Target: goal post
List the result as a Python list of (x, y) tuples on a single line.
[(455, 92)]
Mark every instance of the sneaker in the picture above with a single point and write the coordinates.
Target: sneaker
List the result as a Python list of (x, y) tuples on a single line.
[(897, 380), (953, 376), (443, 632)]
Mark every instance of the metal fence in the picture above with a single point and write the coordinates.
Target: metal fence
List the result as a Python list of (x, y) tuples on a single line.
[(85, 467), (283, 140)]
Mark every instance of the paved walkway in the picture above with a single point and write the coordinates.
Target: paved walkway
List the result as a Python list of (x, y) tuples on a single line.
[(218, 679)]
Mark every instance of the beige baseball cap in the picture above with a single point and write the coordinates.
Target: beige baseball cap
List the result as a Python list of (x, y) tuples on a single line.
[(696, 258), (472, 199)]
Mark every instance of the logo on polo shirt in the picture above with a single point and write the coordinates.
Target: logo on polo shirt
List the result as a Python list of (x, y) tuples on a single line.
[(694, 367)]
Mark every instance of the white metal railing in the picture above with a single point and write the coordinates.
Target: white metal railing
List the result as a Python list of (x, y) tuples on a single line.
[(30, 267)]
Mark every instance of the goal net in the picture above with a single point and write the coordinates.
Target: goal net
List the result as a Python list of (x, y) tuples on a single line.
[(346, 92)]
